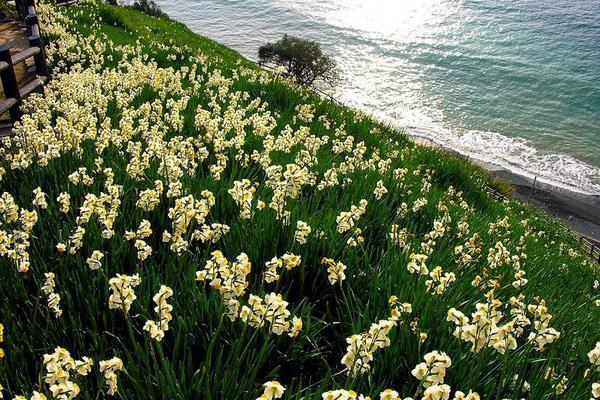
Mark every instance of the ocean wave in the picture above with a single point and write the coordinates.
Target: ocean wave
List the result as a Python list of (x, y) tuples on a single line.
[(425, 68), (517, 155)]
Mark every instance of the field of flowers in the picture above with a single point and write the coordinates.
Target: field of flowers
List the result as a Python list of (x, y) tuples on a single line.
[(178, 224)]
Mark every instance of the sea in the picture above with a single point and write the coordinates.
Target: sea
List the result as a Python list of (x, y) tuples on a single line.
[(513, 83)]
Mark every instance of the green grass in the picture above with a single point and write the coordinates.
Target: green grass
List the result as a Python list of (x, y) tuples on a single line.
[(204, 354)]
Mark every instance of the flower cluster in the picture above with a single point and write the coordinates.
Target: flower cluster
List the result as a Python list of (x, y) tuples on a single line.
[(95, 260), (417, 264), (346, 220), (186, 210), (150, 198), (272, 267), (361, 347), (380, 190), (273, 390), (438, 283), (431, 374), (210, 233), (163, 309), (58, 366), (53, 297), (542, 334), (1, 340), (109, 369), (271, 310), (485, 330), (243, 192), (143, 231), (229, 279), (122, 291), (14, 243), (40, 199), (285, 184), (291, 261), (105, 207), (8, 208), (399, 237), (81, 176), (302, 232), (432, 371), (470, 252), (335, 270)]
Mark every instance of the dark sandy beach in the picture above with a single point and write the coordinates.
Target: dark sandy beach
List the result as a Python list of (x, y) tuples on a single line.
[(580, 211)]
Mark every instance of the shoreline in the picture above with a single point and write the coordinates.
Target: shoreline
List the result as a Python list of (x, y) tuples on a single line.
[(580, 211)]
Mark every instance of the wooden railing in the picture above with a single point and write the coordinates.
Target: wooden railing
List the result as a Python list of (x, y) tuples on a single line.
[(14, 94), (590, 247), (66, 2)]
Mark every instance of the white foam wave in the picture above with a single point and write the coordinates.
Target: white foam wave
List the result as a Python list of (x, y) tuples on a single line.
[(514, 154), (517, 155)]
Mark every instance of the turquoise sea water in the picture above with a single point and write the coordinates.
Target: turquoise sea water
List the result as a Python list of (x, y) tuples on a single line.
[(511, 82)]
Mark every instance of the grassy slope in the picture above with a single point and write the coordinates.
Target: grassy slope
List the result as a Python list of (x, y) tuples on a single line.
[(204, 356)]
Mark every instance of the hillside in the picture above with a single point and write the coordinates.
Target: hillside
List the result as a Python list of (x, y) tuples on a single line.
[(179, 224)]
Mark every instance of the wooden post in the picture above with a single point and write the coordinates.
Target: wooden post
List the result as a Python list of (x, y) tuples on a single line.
[(9, 83), (532, 188), (33, 23), (33, 26), (41, 65), (29, 7)]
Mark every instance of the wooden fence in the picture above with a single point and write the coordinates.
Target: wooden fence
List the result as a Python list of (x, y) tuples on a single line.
[(591, 247), (13, 93)]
